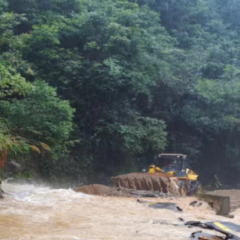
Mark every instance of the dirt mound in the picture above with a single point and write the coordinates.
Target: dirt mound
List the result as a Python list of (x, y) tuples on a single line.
[(101, 190), (160, 182)]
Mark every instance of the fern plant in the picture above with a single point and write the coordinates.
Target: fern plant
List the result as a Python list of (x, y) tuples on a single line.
[(15, 144)]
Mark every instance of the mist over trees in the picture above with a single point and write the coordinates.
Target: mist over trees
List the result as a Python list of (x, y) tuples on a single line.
[(108, 84)]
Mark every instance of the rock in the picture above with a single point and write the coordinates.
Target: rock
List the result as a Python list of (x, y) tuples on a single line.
[(141, 201), (193, 203), (199, 204), (13, 167), (193, 223), (179, 209), (15, 164), (196, 204)]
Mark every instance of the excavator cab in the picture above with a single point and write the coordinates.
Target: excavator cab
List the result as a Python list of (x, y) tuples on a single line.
[(175, 164), (178, 166)]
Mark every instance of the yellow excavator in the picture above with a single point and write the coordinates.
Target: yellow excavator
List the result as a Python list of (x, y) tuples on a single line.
[(169, 168), (178, 166)]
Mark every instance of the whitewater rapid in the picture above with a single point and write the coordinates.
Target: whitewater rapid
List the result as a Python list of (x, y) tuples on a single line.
[(39, 212), (31, 211), (40, 194)]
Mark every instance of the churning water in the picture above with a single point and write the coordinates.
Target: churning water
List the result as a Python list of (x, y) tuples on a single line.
[(31, 212), (38, 212)]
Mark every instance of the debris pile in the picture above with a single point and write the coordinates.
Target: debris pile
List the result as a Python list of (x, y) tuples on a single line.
[(161, 205), (223, 228)]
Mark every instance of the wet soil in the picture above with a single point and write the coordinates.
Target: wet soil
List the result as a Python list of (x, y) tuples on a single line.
[(101, 190)]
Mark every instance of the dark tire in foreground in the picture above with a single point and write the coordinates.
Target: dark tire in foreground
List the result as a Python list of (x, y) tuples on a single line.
[(196, 188)]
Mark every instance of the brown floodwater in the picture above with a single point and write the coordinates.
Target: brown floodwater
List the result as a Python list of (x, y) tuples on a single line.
[(38, 212)]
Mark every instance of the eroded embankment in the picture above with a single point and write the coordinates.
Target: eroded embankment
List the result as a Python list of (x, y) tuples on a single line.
[(233, 194), (161, 182), (102, 190)]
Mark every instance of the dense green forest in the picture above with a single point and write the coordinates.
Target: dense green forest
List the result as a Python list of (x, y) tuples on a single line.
[(93, 88)]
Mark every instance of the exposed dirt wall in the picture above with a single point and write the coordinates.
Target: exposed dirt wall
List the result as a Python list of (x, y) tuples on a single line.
[(161, 182)]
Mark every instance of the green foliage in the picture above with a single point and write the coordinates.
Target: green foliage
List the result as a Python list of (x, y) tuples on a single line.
[(23, 129), (8, 143), (143, 75), (42, 113), (24, 175), (11, 82), (104, 62)]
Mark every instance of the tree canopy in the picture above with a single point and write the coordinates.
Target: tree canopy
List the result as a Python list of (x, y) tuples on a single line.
[(33, 117), (144, 76)]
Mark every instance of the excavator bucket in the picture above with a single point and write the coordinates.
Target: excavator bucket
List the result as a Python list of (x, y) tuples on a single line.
[(160, 182)]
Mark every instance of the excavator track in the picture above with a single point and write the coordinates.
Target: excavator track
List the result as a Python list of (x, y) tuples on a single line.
[(159, 182)]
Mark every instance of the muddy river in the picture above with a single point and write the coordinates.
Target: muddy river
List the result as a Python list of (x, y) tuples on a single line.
[(32, 212)]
